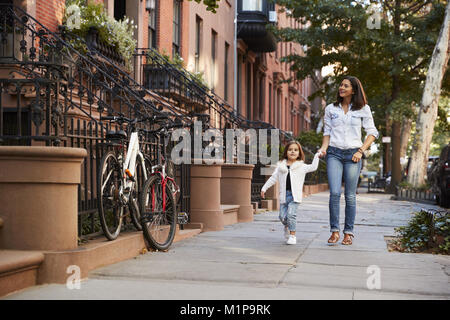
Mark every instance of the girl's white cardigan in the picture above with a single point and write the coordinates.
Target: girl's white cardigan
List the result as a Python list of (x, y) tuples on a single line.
[(298, 170)]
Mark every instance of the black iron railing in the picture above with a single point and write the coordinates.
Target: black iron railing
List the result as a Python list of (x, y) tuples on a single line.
[(51, 93), (176, 84)]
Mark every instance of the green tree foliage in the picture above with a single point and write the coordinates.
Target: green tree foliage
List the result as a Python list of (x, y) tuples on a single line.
[(441, 134), (211, 5), (310, 140), (391, 63), (391, 59)]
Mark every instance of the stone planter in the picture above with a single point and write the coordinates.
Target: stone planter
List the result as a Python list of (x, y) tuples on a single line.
[(205, 196), (38, 197), (235, 188)]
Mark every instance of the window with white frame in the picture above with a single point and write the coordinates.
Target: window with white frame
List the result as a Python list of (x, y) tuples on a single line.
[(252, 5)]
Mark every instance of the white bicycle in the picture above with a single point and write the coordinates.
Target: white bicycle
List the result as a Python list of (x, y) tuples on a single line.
[(121, 177)]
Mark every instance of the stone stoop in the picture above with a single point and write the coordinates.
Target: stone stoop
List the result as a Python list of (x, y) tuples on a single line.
[(18, 269), (189, 230), (21, 269), (255, 206), (230, 213)]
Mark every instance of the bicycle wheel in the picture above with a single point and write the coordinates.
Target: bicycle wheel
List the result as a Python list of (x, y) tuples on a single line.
[(136, 194), (158, 225), (110, 208)]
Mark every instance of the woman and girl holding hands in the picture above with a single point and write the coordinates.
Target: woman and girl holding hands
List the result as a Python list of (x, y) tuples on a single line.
[(342, 148)]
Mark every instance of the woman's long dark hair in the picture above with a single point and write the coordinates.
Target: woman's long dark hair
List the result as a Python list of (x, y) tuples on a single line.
[(359, 99)]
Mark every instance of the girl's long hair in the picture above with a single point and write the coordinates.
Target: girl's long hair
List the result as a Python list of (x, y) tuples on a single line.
[(301, 154), (359, 99)]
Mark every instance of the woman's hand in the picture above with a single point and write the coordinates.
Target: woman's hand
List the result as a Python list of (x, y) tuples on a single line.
[(263, 194), (357, 156), (322, 152)]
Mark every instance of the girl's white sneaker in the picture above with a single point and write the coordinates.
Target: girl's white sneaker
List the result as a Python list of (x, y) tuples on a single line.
[(286, 233), (291, 240)]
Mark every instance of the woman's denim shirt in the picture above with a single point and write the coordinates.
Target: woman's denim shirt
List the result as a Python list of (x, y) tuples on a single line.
[(345, 129)]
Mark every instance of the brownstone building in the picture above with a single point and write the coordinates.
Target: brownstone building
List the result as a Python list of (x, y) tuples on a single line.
[(56, 86), (206, 43)]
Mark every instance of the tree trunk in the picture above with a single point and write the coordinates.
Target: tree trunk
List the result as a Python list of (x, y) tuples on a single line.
[(404, 139), (396, 168), (387, 148), (405, 135), (396, 125), (429, 105)]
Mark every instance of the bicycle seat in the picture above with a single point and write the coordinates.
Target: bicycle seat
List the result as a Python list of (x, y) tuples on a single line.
[(115, 135)]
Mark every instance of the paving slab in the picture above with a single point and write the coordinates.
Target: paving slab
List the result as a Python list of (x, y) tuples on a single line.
[(393, 280)]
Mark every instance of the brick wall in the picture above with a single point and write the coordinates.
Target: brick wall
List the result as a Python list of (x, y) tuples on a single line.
[(165, 25), (50, 13)]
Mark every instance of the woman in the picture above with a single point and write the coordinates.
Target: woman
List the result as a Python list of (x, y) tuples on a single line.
[(343, 149)]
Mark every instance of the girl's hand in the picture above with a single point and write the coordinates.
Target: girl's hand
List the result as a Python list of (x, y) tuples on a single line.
[(263, 194), (322, 152), (357, 156)]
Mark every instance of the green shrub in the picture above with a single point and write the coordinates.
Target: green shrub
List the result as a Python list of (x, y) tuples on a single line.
[(310, 140), (178, 62), (119, 34), (427, 231)]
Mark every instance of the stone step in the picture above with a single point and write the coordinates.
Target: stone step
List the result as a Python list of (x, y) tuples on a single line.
[(230, 213), (51, 266), (258, 211), (18, 269), (186, 234)]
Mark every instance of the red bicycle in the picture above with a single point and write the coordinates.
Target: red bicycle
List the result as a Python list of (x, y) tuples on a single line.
[(159, 214)]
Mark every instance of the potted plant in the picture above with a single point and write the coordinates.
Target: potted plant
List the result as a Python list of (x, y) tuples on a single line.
[(102, 32)]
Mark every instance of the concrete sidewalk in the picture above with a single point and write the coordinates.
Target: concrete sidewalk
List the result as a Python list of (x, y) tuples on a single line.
[(252, 261)]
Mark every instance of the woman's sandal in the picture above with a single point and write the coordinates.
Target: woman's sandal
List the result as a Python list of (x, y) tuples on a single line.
[(347, 239), (334, 237)]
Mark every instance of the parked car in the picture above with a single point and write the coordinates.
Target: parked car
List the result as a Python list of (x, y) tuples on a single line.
[(440, 178), (430, 164)]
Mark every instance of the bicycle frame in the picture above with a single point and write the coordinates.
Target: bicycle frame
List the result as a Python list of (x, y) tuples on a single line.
[(164, 179), (133, 152)]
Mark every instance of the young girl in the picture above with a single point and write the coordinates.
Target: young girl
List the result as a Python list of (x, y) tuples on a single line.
[(290, 174)]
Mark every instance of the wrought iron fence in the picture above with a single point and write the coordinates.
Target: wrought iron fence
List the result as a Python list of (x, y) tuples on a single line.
[(52, 94), (415, 195)]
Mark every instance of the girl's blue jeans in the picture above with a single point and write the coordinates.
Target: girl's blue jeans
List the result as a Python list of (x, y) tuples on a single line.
[(288, 212), (340, 164)]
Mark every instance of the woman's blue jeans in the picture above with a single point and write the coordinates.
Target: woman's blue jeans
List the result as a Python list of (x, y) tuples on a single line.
[(340, 164), (288, 212)]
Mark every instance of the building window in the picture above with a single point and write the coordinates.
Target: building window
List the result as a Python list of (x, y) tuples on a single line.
[(119, 9), (176, 27), (252, 5), (239, 85), (262, 82), (270, 104), (213, 58), (279, 107), (152, 20), (293, 116), (225, 74), (198, 41), (249, 91)]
